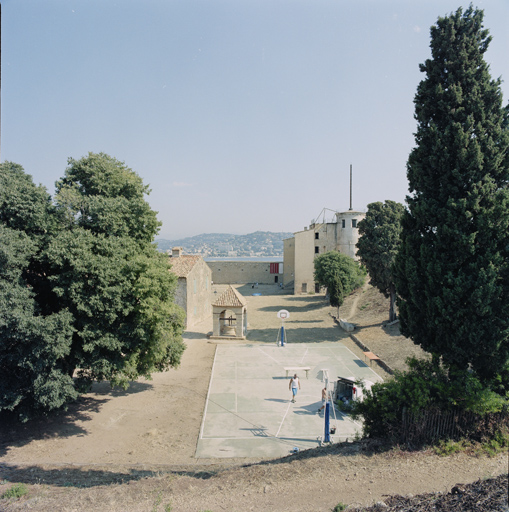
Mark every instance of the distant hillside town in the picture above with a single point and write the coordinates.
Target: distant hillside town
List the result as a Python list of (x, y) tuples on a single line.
[(221, 245)]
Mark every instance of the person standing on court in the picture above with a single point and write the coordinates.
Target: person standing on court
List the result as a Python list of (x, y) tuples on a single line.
[(324, 399), (294, 386)]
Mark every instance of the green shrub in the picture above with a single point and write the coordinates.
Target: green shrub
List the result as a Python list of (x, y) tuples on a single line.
[(427, 386), (448, 447), (339, 507), (16, 491), (346, 408)]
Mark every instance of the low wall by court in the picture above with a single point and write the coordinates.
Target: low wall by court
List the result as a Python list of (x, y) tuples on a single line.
[(244, 272)]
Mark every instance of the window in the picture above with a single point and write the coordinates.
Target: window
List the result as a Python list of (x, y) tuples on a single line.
[(274, 268), (304, 287), (317, 236), (317, 250), (343, 223), (354, 223)]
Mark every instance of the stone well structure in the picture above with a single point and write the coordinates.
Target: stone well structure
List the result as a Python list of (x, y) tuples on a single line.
[(229, 315)]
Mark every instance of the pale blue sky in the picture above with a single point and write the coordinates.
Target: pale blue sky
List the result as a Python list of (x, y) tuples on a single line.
[(242, 115)]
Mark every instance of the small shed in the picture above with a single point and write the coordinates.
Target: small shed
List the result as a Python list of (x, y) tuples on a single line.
[(229, 315)]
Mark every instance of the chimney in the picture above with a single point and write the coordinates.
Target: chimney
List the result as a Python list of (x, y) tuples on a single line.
[(176, 252)]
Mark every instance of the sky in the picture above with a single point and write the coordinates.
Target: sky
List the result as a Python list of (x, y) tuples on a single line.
[(241, 115)]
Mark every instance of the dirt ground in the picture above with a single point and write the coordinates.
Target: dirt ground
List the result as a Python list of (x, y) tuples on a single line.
[(134, 450)]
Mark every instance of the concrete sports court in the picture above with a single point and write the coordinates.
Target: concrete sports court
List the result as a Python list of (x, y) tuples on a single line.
[(248, 412)]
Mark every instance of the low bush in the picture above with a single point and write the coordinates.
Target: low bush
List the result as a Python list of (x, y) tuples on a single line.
[(16, 491), (429, 393)]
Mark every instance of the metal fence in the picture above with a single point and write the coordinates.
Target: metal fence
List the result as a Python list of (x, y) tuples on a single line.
[(432, 425)]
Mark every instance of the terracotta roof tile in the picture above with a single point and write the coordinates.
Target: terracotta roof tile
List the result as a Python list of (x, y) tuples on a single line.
[(230, 298), (182, 265)]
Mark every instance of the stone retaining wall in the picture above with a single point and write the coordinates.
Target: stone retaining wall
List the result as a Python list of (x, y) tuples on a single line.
[(243, 272)]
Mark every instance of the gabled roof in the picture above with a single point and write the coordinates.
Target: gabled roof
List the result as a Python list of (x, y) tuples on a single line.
[(183, 264), (230, 298)]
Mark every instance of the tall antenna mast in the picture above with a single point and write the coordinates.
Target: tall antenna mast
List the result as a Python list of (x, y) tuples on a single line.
[(351, 187)]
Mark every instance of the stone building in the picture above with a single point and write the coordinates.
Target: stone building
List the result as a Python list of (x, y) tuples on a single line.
[(243, 272), (341, 234), (229, 315), (194, 291)]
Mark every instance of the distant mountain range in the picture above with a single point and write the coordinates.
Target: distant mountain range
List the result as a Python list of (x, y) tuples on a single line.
[(258, 244)]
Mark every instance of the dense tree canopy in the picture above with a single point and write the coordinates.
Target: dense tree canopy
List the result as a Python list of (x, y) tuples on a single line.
[(84, 294), (378, 245), (339, 273), (452, 272)]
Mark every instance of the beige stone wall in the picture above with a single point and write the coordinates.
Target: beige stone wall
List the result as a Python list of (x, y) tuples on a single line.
[(300, 251), (304, 257), (243, 272), (325, 237), (181, 293), (198, 294), (288, 261)]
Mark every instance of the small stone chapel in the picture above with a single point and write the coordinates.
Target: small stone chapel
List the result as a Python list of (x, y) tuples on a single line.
[(229, 315)]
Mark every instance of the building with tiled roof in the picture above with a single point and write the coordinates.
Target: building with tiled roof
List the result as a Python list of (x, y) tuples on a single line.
[(230, 298), (194, 290), (229, 315), (183, 264)]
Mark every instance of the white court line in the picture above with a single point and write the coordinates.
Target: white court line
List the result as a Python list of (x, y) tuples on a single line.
[(208, 394), (367, 366), (312, 438), (348, 417), (282, 421), (268, 355), (305, 354)]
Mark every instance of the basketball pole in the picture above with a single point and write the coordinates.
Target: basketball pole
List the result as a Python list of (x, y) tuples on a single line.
[(281, 334), (326, 437)]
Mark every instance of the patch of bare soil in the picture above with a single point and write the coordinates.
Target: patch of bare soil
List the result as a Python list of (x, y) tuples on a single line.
[(370, 317), (134, 451)]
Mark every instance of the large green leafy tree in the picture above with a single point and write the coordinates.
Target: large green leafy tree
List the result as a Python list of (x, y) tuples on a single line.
[(339, 273), (89, 264), (378, 245), (33, 342), (452, 272)]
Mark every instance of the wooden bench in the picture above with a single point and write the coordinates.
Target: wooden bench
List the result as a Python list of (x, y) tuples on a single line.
[(372, 357), (297, 369)]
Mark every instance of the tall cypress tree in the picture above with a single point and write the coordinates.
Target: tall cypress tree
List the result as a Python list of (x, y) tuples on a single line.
[(452, 271)]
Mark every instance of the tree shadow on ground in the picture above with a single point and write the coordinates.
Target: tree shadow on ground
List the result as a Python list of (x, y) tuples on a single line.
[(84, 477), (297, 308), (63, 423), (193, 335), (104, 388), (360, 327), (81, 477), (297, 335), (55, 425), (264, 289), (303, 321)]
